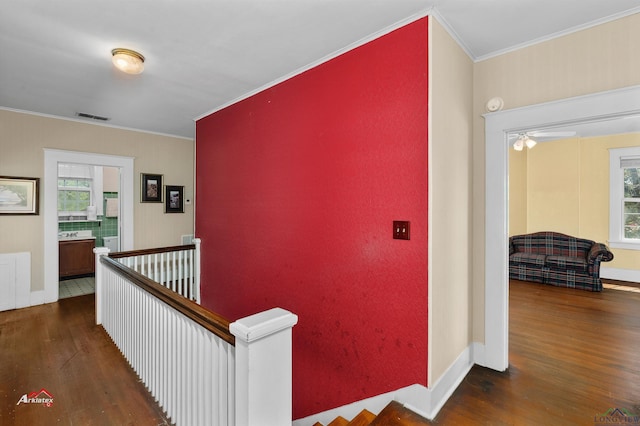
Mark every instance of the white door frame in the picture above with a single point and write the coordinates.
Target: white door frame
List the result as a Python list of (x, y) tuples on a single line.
[(52, 157), (595, 107)]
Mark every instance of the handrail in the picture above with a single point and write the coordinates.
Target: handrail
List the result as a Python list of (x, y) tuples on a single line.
[(121, 254), (211, 321), (200, 368)]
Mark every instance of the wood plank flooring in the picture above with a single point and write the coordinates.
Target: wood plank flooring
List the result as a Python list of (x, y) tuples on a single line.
[(573, 355), (57, 347)]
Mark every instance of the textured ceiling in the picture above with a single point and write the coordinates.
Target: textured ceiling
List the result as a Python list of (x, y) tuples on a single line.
[(204, 54)]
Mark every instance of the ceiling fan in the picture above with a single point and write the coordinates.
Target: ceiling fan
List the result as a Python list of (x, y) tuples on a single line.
[(526, 138)]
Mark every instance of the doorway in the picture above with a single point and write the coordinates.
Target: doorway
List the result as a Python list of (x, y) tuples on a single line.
[(88, 211), (574, 111), (50, 190)]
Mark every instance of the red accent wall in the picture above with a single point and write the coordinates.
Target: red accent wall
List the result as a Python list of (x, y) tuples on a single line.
[(297, 188)]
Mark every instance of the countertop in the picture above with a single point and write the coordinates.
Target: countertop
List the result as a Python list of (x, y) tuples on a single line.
[(75, 238)]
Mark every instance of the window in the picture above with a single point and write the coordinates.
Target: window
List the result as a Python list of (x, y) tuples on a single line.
[(624, 218), (74, 195), (631, 201)]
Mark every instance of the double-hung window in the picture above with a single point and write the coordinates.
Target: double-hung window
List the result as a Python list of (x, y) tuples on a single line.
[(624, 218), (74, 195)]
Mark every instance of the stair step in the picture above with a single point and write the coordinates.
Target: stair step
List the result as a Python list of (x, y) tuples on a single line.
[(363, 419), (395, 414), (339, 421)]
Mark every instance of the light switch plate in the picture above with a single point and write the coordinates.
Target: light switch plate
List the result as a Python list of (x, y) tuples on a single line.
[(400, 229)]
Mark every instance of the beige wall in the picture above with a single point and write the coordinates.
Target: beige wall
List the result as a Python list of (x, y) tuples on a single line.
[(450, 201), (553, 188), (568, 190), (24, 137), (517, 192), (589, 61)]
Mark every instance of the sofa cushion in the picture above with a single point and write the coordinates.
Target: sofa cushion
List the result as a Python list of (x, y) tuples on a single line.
[(567, 262), (532, 259)]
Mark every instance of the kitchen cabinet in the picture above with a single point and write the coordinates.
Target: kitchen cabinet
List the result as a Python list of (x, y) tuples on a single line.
[(76, 257)]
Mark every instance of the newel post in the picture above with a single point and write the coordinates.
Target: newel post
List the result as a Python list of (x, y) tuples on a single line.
[(99, 252), (263, 368)]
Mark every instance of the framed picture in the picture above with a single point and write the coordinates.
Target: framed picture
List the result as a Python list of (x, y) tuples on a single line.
[(150, 188), (174, 199), (19, 195)]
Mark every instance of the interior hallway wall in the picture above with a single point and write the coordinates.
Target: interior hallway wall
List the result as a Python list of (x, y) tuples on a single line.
[(304, 181), (593, 60), (450, 200), (24, 138)]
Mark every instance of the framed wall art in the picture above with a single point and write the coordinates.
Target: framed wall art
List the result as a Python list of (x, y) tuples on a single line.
[(174, 199), (19, 195), (150, 188)]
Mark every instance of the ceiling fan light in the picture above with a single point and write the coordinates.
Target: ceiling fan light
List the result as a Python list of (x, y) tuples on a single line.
[(530, 143), (518, 145), (128, 61)]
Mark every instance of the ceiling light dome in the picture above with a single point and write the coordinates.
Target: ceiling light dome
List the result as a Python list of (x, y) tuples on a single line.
[(128, 61)]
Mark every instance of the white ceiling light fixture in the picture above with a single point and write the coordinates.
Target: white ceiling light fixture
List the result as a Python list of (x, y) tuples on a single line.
[(523, 139), (526, 138), (128, 61), (518, 145), (529, 142)]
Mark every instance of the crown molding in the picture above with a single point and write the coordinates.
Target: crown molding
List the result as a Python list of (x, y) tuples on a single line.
[(78, 120), (401, 23), (558, 34)]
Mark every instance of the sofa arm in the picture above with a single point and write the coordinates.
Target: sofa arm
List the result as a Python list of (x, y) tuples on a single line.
[(512, 249), (599, 252)]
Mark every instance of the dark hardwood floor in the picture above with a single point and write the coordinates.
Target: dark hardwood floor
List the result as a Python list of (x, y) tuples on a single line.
[(573, 355), (57, 347)]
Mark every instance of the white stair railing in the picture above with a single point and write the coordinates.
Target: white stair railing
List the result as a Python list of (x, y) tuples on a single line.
[(176, 267), (201, 369)]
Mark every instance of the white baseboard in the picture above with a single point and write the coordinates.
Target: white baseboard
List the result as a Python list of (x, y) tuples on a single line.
[(30, 298), (632, 275), (440, 392), (37, 298), (478, 354), (425, 401)]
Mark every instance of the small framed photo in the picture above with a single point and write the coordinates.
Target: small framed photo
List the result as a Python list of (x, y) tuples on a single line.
[(174, 199), (19, 195), (150, 188)]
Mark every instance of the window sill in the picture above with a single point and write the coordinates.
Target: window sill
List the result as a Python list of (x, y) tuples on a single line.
[(624, 245)]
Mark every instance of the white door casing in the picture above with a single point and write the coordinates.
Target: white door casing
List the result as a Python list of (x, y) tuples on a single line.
[(595, 107), (52, 157)]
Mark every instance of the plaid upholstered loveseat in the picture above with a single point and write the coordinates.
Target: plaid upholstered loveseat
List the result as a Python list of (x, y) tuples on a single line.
[(557, 259)]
